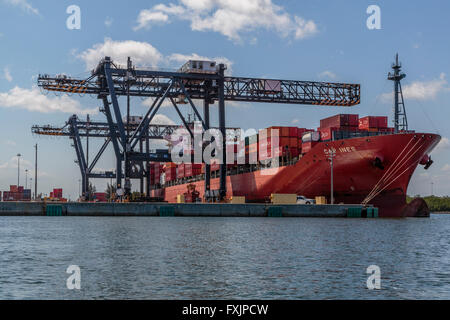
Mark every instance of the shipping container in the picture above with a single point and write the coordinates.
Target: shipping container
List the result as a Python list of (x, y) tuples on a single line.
[(192, 169), (340, 120), (307, 146), (293, 132), (171, 173), (180, 170), (327, 133)]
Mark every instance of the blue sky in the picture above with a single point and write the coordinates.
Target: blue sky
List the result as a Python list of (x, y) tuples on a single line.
[(301, 40)]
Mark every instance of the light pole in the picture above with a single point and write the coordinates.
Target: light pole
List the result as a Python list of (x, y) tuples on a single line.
[(26, 178), (432, 183), (18, 169), (331, 155)]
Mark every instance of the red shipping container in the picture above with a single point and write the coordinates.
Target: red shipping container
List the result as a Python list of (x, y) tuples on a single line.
[(382, 122), (192, 169), (171, 173), (180, 171), (285, 131), (13, 189), (293, 132), (269, 132), (20, 189), (340, 120), (368, 122), (307, 146), (293, 142), (284, 142), (327, 133)]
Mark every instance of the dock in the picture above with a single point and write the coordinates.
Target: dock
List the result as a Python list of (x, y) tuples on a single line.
[(184, 210)]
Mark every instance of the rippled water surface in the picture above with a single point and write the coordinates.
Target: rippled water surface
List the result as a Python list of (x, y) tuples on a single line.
[(224, 258)]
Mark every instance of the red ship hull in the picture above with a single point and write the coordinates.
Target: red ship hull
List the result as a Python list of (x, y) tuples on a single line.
[(355, 175)]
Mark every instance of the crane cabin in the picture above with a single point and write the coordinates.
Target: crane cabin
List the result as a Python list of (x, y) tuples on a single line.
[(199, 66)]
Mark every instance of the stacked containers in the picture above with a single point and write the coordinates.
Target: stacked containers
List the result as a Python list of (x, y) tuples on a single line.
[(171, 171), (16, 193), (339, 122), (57, 193), (192, 169), (373, 124), (180, 171), (251, 149), (155, 172), (288, 142)]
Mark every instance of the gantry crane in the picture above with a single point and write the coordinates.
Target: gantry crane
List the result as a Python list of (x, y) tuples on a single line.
[(108, 81)]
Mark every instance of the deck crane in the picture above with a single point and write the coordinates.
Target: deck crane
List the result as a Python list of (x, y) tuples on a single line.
[(108, 81)]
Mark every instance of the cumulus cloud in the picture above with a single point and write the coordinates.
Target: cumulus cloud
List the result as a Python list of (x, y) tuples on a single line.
[(443, 145), (12, 163), (24, 5), (327, 75), (142, 53), (422, 90), (10, 143), (7, 74), (230, 18), (162, 119), (34, 100)]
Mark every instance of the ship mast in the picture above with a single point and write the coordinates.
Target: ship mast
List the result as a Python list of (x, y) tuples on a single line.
[(400, 120)]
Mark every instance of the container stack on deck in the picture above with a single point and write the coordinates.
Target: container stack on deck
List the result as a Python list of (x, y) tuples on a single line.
[(375, 124), (255, 150), (16, 193)]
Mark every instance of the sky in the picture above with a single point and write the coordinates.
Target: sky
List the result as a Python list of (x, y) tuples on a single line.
[(300, 40)]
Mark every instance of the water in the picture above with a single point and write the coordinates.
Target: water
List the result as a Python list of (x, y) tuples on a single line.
[(224, 258)]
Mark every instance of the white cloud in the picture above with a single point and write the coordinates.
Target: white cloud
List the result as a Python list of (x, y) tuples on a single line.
[(12, 163), (443, 145), (162, 119), (108, 22), (142, 53), (10, 143), (34, 100), (7, 74), (230, 18), (422, 90), (295, 121), (327, 74), (24, 5)]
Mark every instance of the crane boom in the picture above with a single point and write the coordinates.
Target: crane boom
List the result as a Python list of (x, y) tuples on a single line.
[(153, 83)]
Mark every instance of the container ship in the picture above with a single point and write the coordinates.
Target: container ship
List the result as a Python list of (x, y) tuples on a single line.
[(348, 160)]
